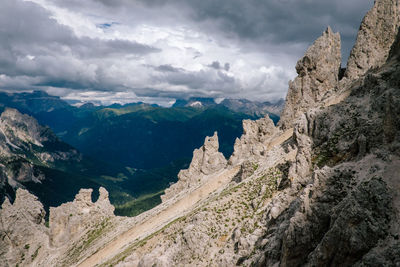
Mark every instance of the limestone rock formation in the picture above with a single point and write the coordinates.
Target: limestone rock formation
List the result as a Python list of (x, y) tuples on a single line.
[(340, 204), (71, 219), (318, 75), (254, 140), (337, 202), (20, 128), (376, 35), (23, 144), (331, 200), (26, 241), (206, 161), (22, 230)]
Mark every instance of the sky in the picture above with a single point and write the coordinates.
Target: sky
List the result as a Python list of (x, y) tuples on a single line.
[(155, 51)]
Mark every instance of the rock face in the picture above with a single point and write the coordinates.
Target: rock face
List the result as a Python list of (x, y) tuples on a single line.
[(22, 229), (69, 220), (318, 75), (206, 161), (254, 141), (20, 128), (26, 241), (339, 203), (334, 202), (24, 143), (377, 33)]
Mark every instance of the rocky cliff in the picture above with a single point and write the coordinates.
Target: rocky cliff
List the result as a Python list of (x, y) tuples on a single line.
[(22, 229), (25, 145), (25, 240), (255, 140), (206, 160), (324, 192), (69, 220), (318, 77), (377, 33), (336, 202)]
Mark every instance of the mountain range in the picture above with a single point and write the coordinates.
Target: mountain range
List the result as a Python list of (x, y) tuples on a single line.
[(138, 146), (320, 188)]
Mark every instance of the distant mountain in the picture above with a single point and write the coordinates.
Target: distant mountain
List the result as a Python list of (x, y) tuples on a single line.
[(31, 154), (35, 102), (197, 102), (145, 137), (139, 147), (259, 109), (33, 157), (251, 108)]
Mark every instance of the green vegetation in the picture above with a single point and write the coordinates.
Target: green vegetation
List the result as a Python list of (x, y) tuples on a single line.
[(139, 205), (135, 151), (34, 255)]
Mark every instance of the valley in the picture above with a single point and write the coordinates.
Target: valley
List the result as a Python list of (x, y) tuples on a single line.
[(317, 187)]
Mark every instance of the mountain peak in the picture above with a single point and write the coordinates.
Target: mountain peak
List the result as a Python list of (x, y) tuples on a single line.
[(375, 37), (318, 75), (206, 161)]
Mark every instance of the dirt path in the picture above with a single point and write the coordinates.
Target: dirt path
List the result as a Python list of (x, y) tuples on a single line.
[(154, 223)]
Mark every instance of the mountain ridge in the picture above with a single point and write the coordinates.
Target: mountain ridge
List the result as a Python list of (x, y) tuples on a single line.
[(320, 189)]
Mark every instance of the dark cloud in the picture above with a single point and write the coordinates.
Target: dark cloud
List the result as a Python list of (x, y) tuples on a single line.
[(218, 66), (260, 41), (277, 22), (227, 66), (107, 25), (205, 80), (32, 44), (167, 68)]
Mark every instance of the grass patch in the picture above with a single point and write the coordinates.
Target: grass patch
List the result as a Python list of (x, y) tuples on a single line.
[(139, 205)]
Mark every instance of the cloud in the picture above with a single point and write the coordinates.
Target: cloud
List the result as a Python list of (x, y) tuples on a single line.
[(218, 66), (34, 45), (167, 68), (155, 49)]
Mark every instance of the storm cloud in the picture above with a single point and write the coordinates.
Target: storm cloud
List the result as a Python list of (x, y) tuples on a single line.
[(158, 50)]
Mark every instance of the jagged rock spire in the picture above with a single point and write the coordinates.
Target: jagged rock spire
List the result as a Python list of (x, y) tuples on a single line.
[(69, 220), (375, 37), (206, 160), (254, 141), (317, 76)]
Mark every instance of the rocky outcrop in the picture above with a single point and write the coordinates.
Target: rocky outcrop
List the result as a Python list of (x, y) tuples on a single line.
[(22, 230), (375, 37), (318, 76), (206, 160), (20, 128), (70, 220), (254, 141), (24, 144), (339, 204), (26, 241), (336, 203)]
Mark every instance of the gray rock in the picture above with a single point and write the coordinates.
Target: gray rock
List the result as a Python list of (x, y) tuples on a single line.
[(206, 161), (254, 141), (22, 230), (375, 37), (71, 219), (317, 77)]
